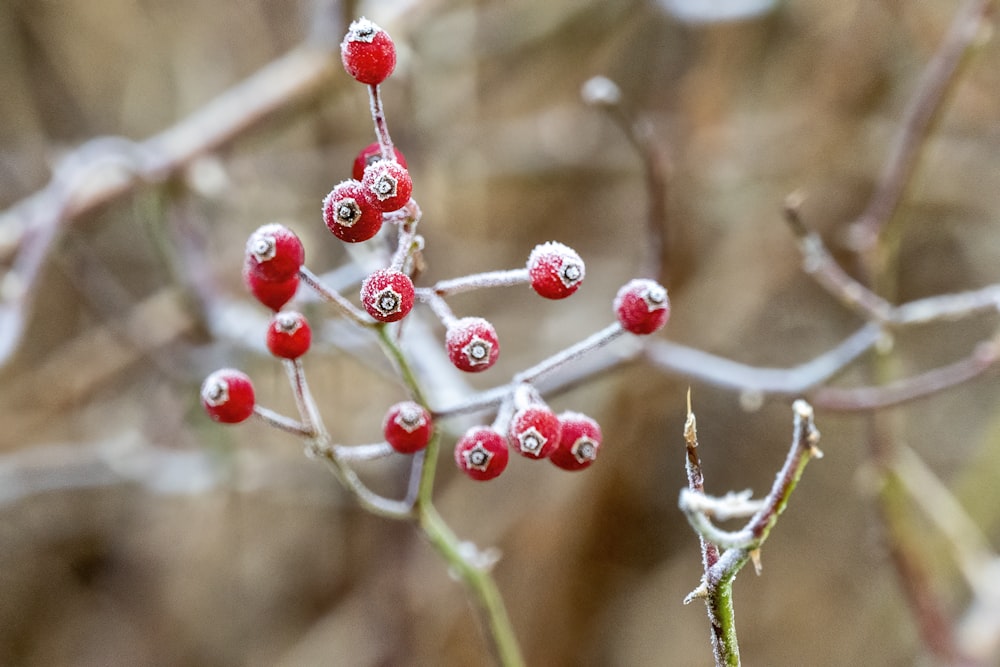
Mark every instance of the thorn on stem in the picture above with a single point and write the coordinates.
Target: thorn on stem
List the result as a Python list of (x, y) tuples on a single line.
[(699, 593)]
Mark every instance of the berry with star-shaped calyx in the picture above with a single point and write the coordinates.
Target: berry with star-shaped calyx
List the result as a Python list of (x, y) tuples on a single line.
[(472, 344), (389, 185), (555, 270), (367, 52), (372, 153), (350, 214), (274, 253), (227, 396), (387, 295), (481, 453), (535, 431), (642, 306), (407, 427), (579, 442), (273, 294), (288, 335)]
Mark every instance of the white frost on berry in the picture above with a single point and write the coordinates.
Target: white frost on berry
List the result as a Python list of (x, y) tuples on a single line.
[(262, 244), (215, 391), (288, 322), (410, 417), (362, 30), (570, 267), (655, 297), (653, 294)]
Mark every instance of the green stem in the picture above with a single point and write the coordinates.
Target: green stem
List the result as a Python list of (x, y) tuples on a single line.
[(475, 576), (743, 545), (478, 581), (723, 618)]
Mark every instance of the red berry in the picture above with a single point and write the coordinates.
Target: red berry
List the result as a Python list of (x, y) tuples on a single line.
[(274, 253), (481, 453), (387, 295), (472, 344), (556, 271), (288, 335), (407, 427), (579, 442), (350, 213), (227, 396), (367, 52), (272, 294), (534, 431), (642, 306), (371, 153), (389, 184)]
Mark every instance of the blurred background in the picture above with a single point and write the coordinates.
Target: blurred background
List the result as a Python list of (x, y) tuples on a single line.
[(134, 531)]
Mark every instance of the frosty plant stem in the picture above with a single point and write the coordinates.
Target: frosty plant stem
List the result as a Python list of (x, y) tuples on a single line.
[(359, 210), (469, 564), (724, 553)]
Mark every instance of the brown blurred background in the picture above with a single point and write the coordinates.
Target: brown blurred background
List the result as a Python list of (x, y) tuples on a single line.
[(133, 531)]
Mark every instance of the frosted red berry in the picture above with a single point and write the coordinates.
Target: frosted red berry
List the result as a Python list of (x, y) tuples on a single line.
[(387, 295), (642, 306), (371, 153), (535, 431), (579, 442), (389, 185), (367, 52), (407, 427), (472, 344), (274, 253), (273, 294), (350, 213), (288, 335), (227, 396), (555, 270), (481, 453)]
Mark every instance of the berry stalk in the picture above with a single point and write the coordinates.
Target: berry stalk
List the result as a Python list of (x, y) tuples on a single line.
[(321, 446), (381, 127), (480, 281), (346, 308), (592, 342)]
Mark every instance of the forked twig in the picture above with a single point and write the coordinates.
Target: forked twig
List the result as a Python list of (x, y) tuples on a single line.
[(738, 547)]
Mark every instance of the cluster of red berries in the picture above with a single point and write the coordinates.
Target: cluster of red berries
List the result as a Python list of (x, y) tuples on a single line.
[(355, 211), (570, 441)]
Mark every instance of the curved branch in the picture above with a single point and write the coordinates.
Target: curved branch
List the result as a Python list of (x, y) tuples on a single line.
[(106, 168)]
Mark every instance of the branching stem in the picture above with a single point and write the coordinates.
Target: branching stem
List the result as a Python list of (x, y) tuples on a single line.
[(744, 545)]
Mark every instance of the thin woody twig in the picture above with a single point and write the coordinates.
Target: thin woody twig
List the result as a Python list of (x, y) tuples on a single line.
[(818, 262), (923, 109), (854, 399), (605, 94), (106, 168), (723, 372), (696, 483), (743, 545)]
